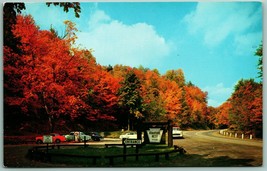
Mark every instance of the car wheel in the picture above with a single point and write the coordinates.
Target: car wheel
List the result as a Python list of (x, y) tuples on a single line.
[(39, 142), (96, 139), (57, 141)]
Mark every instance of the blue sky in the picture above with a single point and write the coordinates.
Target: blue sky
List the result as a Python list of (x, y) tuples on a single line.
[(214, 43)]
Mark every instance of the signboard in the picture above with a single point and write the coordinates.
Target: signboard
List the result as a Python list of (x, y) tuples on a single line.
[(154, 135), (47, 139), (131, 141)]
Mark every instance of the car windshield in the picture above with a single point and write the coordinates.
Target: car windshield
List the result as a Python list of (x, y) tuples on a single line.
[(175, 128)]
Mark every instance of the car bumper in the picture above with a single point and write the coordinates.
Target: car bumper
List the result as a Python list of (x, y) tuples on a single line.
[(177, 135)]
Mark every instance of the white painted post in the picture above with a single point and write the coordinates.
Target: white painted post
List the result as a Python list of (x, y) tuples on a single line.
[(250, 136), (242, 136), (235, 135), (230, 134)]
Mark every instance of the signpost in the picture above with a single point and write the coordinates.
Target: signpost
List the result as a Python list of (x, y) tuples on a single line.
[(135, 142), (154, 135), (132, 142), (47, 139)]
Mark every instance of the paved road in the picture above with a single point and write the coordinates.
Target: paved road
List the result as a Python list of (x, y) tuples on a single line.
[(214, 147)]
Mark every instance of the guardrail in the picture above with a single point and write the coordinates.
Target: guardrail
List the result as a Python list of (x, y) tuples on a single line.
[(235, 134)]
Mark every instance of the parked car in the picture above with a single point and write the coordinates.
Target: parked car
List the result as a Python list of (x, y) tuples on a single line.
[(177, 132), (77, 136), (56, 138), (129, 135), (95, 136)]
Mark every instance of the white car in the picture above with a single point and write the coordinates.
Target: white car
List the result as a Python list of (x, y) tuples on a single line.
[(77, 136), (177, 133), (129, 135)]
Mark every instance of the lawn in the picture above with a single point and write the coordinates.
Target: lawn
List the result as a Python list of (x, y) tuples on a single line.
[(143, 161), (15, 157)]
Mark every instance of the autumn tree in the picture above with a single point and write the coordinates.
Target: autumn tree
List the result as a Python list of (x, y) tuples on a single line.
[(153, 101), (52, 84), (196, 100), (103, 97), (172, 99), (13, 61), (211, 117), (246, 101), (223, 115), (10, 12), (177, 76)]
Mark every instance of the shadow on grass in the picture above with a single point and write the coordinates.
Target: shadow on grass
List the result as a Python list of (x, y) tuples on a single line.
[(176, 160), (195, 160)]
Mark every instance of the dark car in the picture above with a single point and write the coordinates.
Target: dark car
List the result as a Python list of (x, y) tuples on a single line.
[(95, 136)]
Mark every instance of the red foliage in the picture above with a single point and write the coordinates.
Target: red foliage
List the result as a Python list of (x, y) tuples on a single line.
[(52, 78)]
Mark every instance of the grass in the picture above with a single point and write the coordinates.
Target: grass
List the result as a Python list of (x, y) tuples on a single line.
[(100, 150), (14, 157)]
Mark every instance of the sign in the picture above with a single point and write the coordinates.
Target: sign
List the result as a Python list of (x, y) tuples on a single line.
[(154, 135), (131, 141), (47, 139)]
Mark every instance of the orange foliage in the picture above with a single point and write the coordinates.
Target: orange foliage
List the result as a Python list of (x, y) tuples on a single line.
[(222, 116), (172, 100)]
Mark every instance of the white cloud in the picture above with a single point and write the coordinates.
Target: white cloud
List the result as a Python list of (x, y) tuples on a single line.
[(97, 18), (214, 102), (114, 42), (217, 21), (218, 94)]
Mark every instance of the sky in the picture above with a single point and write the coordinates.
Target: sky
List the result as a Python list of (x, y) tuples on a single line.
[(212, 42)]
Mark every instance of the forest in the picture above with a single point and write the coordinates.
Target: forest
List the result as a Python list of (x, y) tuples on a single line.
[(50, 85)]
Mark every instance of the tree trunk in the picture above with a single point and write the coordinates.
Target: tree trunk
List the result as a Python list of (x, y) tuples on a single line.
[(50, 117), (128, 123), (50, 120)]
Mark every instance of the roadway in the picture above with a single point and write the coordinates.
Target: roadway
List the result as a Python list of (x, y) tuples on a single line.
[(211, 145)]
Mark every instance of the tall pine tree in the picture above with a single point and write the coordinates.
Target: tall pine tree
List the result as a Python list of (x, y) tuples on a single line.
[(130, 98)]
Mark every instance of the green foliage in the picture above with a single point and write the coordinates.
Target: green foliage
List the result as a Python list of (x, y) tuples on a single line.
[(67, 5), (129, 96), (177, 76), (260, 66), (129, 92)]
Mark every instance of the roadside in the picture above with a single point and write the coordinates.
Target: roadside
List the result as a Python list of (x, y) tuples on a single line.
[(220, 151)]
